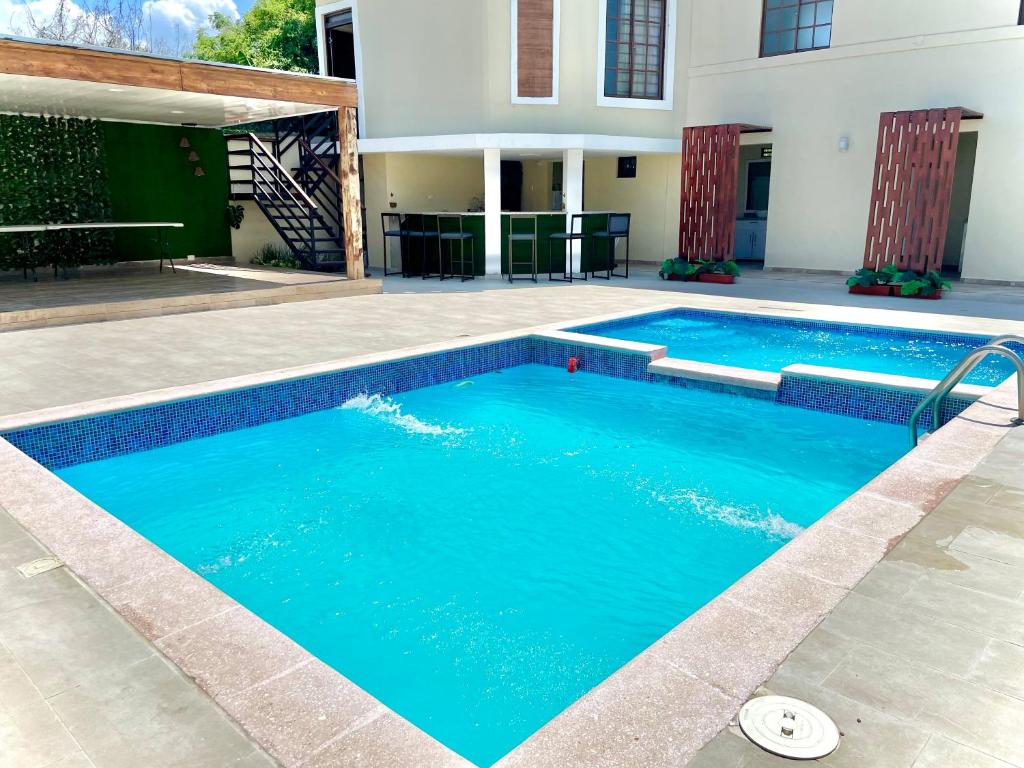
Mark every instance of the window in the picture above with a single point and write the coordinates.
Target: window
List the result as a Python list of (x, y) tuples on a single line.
[(341, 51), (795, 25), (634, 60)]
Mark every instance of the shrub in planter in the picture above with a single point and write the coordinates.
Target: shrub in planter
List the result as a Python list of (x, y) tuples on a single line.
[(677, 269), (927, 286), (717, 271), (271, 255)]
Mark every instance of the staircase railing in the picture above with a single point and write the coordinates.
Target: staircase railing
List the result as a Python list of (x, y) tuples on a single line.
[(959, 372), (287, 206)]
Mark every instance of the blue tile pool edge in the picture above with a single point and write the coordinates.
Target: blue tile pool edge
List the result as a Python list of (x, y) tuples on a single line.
[(61, 444), (789, 322)]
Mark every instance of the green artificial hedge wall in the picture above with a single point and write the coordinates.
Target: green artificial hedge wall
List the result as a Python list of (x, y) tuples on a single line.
[(53, 170), (152, 179), (63, 170)]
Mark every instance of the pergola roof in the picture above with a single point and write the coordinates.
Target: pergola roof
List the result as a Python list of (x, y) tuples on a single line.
[(43, 77)]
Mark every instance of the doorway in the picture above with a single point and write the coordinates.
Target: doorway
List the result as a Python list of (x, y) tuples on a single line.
[(341, 45), (960, 205), (752, 193), (511, 185)]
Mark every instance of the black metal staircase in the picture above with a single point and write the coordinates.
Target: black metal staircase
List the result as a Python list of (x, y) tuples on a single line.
[(303, 200)]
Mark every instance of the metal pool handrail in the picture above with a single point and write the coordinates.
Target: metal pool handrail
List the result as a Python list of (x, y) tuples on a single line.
[(959, 372)]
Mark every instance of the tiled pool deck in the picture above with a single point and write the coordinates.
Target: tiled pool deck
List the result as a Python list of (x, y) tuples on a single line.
[(657, 711)]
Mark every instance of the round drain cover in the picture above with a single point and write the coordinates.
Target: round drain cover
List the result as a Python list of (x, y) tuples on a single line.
[(789, 727)]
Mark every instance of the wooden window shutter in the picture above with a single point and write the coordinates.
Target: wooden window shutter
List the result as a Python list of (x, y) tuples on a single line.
[(535, 22)]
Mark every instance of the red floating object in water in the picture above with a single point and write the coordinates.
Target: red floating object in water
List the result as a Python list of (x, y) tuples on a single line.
[(574, 364)]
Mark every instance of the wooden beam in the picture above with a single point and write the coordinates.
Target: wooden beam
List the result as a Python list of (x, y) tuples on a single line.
[(351, 199), (68, 62)]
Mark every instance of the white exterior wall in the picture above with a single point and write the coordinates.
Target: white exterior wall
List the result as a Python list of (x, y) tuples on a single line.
[(445, 68)]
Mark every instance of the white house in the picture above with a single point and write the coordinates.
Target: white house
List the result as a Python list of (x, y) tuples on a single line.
[(553, 100)]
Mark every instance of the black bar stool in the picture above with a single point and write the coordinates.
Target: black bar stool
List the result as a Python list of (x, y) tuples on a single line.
[(392, 229), (420, 230), (522, 237), (451, 237), (567, 239), (618, 229)]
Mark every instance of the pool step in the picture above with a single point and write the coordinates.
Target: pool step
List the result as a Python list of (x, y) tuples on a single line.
[(722, 374)]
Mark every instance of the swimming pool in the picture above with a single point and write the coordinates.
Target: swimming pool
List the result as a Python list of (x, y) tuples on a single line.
[(479, 553), (768, 343)]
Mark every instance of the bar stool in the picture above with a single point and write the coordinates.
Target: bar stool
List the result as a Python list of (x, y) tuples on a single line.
[(522, 237), (395, 231), (618, 228), (451, 237), (567, 239), (421, 233)]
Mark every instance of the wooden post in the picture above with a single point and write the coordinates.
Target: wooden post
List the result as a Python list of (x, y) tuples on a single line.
[(351, 200)]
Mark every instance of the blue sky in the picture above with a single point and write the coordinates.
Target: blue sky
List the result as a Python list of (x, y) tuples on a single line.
[(173, 21)]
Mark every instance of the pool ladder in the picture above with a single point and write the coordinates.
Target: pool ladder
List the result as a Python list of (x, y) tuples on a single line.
[(996, 346)]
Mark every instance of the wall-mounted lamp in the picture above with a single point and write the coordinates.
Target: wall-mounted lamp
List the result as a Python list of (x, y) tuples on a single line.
[(844, 143)]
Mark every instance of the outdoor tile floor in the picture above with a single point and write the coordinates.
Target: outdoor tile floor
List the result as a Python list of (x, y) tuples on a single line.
[(922, 665)]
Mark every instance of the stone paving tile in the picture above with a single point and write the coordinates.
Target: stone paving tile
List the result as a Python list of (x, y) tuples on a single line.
[(951, 706), (969, 608), (634, 700), (301, 711), (87, 639), (894, 629), (947, 564), (31, 735), (1001, 668), (231, 652), (136, 715), (940, 752), (386, 740)]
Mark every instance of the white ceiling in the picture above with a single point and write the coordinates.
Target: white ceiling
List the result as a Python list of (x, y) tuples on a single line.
[(76, 98)]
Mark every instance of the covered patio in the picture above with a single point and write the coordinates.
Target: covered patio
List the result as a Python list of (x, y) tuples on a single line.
[(140, 142)]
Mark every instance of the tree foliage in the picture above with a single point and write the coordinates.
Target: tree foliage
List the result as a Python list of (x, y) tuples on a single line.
[(276, 34)]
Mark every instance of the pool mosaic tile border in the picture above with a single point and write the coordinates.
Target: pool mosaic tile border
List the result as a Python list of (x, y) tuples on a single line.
[(860, 401), (62, 444), (788, 322)]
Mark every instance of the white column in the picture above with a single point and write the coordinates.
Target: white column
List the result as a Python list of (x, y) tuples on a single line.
[(492, 211), (572, 197)]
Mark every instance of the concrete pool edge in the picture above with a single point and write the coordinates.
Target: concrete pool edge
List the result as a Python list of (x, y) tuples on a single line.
[(110, 557)]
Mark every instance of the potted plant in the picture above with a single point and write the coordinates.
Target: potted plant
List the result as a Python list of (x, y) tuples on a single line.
[(869, 282), (927, 286), (677, 269), (716, 271)]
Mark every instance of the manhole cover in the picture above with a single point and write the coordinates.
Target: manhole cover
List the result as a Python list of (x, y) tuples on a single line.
[(789, 727)]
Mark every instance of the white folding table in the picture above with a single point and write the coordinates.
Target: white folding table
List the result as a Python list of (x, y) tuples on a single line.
[(161, 226)]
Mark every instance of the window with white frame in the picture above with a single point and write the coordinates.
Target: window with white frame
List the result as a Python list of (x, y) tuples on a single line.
[(634, 55)]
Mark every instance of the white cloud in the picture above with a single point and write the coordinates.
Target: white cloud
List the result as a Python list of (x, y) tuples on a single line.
[(167, 24)]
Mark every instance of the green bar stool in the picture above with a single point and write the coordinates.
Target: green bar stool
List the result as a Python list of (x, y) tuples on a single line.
[(618, 229), (522, 237), (466, 268), (567, 239), (391, 226)]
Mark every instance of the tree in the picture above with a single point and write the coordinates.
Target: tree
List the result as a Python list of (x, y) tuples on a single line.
[(276, 34)]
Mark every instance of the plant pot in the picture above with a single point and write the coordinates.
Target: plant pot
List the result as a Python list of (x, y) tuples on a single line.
[(933, 297), (871, 290), (708, 277), (676, 278)]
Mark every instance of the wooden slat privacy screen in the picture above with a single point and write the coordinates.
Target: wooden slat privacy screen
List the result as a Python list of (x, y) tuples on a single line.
[(534, 55), (707, 215), (912, 187)]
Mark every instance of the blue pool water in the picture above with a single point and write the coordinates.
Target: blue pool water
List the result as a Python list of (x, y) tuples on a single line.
[(770, 344), (479, 554)]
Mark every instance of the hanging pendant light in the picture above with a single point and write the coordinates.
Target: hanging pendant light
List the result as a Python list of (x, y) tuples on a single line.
[(193, 156), (184, 143), (199, 171)]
